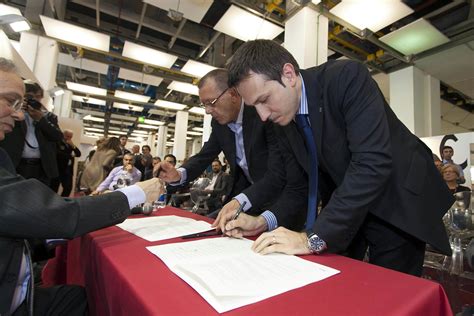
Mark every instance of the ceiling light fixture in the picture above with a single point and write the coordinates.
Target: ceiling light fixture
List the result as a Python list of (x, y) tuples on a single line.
[(131, 96), (128, 107), (16, 22), (148, 55), (85, 88), (197, 110), (170, 105), (88, 100), (196, 68), (183, 87)]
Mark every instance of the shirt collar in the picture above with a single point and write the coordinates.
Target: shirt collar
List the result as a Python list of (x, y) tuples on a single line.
[(303, 109), (238, 121)]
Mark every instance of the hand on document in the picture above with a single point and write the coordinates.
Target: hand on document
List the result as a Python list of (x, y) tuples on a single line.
[(243, 225), (282, 240)]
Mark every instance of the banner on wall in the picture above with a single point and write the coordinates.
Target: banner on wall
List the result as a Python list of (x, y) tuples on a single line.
[(461, 144)]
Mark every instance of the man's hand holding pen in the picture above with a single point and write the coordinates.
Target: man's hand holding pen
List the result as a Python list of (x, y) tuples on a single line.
[(238, 224)]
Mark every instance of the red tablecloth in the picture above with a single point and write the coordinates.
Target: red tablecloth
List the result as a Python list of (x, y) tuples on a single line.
[(123, 278)]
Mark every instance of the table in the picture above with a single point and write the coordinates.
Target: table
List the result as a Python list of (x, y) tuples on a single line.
[(123, 278)]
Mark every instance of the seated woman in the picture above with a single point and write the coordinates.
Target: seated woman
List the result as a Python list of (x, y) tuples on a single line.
[(451, 175)]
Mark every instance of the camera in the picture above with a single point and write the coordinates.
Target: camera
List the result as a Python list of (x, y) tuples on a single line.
[(33, 103)]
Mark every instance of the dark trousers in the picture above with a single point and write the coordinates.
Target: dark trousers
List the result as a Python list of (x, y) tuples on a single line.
[(388, 247), (65, 179), (64, 300), (32, 169)]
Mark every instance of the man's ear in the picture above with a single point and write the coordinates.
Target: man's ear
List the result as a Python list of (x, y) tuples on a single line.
[(288, 75)]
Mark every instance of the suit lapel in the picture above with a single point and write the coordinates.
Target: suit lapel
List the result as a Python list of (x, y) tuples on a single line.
[(315, 107), (248, 124)]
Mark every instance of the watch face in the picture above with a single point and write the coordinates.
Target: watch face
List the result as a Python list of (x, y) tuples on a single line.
[(316, 244)]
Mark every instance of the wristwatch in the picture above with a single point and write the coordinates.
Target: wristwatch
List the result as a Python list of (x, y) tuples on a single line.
[(315, 244)]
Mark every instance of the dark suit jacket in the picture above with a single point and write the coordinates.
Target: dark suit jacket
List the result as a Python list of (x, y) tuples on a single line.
[(64, 156), (369, 161), (47, 133), (44, 214), (270, 168), (222, 187)]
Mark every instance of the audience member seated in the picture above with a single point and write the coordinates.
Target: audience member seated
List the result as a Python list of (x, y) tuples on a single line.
[(100, 164), (219, 187), (451, 176), (121, 176), (447, 154)]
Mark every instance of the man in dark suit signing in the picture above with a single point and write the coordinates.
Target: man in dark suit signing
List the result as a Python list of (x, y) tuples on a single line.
[(44, 214), (259, 169), (378, 185)]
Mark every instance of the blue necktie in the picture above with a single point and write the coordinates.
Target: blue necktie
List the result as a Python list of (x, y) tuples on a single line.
[(302, 121)]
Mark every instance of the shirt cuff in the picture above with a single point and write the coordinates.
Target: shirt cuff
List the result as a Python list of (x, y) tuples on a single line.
[(184, 176), (241, 198), (135, 195), (271, 220)]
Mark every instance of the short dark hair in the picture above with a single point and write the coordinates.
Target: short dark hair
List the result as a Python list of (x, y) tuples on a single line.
[(263, 57), (171, 156), (220, 77), (128, 154), (447, 147), (217, 160), (146, 146), (122, 136), (32, 87)]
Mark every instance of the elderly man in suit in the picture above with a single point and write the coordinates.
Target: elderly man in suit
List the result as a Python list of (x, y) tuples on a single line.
[(44, 214), (259, 170), (32, 143), (377, 183)]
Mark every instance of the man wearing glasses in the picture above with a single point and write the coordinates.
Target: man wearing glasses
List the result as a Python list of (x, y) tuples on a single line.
[(260, 171)]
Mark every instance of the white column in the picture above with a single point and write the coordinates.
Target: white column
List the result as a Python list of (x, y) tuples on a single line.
[(306, 37), (161, 142), (415, 99), (207, 129), (197, 145), (41, 56), (62, 104), (181, 127), (151, 142)]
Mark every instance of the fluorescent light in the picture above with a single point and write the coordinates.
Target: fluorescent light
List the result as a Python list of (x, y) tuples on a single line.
[(183, 87), (415, 38), (192, 10), (20, 26), (147, 126), (94, 129), (170, 105), (148, 55), (154, 122), (117, 132), (197, 110), (131, 96), (93, 118), (56, 92), (371, 14), (198, 129), (140, 132), (88, 100), (128, 107), (6, 9), (245, 26), (139, 77), (169, 144), (75, 35), (83, 63), (196, 68), (194, 133), (85, 88)]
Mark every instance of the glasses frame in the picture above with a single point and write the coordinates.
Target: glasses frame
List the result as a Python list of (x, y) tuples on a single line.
[(16, 105), (211, 104)]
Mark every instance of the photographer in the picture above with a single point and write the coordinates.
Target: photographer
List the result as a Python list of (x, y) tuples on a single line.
[(32, 143)]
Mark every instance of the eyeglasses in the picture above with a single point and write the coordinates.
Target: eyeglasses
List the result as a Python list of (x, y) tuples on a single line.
[(16, 104), (211, 103)]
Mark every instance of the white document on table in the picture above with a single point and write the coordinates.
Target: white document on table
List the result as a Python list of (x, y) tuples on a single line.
[(228, 274), (163, 227)]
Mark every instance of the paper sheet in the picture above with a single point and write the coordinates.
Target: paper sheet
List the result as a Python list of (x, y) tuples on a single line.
[(228, 274), (163, 227)]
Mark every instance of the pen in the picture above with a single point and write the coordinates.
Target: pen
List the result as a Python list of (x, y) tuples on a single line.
[(204, 234), (239, 210)]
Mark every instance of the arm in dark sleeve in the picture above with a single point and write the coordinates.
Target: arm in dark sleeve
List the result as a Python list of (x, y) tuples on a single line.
[(77, 152), (199, 162), (48, 125), (29, 209), (368, 140), (273, 181), (291, 207)]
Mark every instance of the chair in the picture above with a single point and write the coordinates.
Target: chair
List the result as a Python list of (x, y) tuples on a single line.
[(197, 197)]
